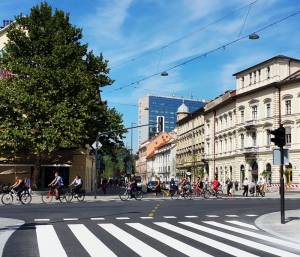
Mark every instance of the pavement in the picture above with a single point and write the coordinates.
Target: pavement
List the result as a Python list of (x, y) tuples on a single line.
[(216, 227), (271, 223)]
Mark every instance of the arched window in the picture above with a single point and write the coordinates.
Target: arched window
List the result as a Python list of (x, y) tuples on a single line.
[(242, 173), (254, 171)]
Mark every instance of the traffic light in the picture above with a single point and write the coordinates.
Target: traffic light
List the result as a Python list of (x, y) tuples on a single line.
[(160, 124), (279, 136)]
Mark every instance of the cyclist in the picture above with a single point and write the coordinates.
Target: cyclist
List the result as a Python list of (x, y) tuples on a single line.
[(18, 186), (157, 186), (183, 185), (261, 185), (58, 184), (173, 186), (77, 183), (215, 185), (133, 186)]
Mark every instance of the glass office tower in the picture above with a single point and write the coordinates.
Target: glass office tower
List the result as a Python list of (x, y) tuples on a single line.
[(152, 108)]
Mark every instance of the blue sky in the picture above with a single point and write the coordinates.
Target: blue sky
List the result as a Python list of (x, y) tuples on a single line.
[(123, 29)]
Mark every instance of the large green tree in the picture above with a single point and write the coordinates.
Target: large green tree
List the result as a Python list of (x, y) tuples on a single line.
[(52, 100)]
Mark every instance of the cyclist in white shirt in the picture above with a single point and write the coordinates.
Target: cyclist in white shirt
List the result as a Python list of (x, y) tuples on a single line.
[(77, 183)]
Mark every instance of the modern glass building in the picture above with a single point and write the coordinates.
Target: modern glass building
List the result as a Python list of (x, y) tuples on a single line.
[(153, 108)]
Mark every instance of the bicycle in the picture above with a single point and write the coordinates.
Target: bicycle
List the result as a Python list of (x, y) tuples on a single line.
[(187, 194), (198, 192), (125, 193), (47, 197), (217, 193), (70, 194), (24, 197)]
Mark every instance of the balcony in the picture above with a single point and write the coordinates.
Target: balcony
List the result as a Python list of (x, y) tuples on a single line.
[(252, 150), (250, 124)]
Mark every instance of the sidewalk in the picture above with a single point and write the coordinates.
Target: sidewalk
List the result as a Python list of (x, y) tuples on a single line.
[(289, 231)]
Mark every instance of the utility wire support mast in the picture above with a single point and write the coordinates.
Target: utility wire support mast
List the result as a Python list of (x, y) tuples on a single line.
[(279, 140)]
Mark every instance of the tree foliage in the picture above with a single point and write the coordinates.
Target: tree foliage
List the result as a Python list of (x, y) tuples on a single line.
[(53, 98)]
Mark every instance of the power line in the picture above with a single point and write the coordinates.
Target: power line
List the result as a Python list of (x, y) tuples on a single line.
[(174, 41), (222, 47)]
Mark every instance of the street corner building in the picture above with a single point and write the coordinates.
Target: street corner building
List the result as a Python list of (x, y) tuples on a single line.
[(68, 162), (228, 137)]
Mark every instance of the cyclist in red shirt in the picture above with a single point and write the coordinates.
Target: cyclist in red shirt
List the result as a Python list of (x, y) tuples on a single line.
[(216, 184)]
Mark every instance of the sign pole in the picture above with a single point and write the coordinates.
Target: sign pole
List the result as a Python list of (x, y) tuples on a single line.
[(282, 207)]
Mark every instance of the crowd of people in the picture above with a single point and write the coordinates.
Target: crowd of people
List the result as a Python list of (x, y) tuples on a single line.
[(253, 187)]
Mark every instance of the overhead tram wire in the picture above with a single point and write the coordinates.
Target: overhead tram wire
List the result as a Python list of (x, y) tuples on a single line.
[(139, 56), (222, 47)]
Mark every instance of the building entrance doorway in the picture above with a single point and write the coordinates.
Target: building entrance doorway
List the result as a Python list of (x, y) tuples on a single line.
[(242, 174)]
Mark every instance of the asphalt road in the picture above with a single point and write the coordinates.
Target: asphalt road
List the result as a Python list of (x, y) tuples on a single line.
[(213, 227)]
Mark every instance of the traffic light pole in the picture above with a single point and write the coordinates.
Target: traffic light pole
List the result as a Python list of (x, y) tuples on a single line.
[(282, 204)]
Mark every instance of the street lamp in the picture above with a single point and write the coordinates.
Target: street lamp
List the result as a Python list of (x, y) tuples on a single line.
[(253, 36), (164, 74)]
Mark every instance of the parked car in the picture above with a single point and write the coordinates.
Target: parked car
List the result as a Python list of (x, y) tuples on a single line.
[(151, 186)]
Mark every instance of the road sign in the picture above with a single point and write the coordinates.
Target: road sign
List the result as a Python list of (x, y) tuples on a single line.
[(95, 146), (276, 157)]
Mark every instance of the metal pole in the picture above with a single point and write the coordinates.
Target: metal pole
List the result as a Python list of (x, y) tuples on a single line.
[(131, 135), (282, 207), (94, 177)]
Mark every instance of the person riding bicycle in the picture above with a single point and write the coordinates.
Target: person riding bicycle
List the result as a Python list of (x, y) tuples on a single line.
[(199, 184), (132, 184), (260, 185), (18, 186), (157, 186), (215, 185), (173, 186), (77, 183), (58, 184)]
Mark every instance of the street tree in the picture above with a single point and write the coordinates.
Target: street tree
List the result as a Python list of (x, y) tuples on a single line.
[(51, 100)]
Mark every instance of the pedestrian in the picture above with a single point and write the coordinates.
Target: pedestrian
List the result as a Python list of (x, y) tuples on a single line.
[(236, 184), (246, 186), (229, 187)]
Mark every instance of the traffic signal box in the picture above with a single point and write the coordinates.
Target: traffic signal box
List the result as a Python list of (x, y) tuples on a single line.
[(279, 136)]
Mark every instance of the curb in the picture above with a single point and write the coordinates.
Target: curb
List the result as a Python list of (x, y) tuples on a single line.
[(259, 222), (7, 228)]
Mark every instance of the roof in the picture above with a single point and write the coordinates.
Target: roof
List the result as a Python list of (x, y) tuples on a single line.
[(191, 116), (183, 108), (266, 61), (295, 75)]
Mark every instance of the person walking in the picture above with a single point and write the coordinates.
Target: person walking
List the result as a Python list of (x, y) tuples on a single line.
[(236, 185), (246, 187)]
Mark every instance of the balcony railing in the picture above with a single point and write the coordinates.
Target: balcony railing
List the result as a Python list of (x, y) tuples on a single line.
[(250, 124), (250, 150)]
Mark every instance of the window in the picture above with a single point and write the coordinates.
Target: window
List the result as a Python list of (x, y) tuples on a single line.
[(250, 75), (268, 110), (253, 139), (268, 72), (230, 146), (258, 75), (254, 112), (242, 115), (243, 82), (288, 135), (268, 138), (242, 140), (288, 107), (254, 77)]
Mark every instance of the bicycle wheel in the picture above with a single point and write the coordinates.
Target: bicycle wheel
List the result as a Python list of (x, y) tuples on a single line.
[(174, 195), (263, 194), (25, 198), (138, 195), (81, 196), (187, 195), (124, 194), (7, 199), (69, 196), (206, 194), (47, 198), (219, 193)]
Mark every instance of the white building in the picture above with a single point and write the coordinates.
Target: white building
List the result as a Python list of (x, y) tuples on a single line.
[(237, 144)]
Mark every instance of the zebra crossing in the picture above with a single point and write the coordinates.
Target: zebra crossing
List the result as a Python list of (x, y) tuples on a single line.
[(159, 238)]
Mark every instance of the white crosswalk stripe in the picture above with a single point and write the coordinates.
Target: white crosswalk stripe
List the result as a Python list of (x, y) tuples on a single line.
[(90, 242), (48, 242), (169, 241), (133, 243), (205, 240), (199, 238)]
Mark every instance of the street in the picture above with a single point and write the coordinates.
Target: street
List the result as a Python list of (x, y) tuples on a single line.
[(151, 227)]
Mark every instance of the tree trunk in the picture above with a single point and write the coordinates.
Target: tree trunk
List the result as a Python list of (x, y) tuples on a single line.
[(37, 172)]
